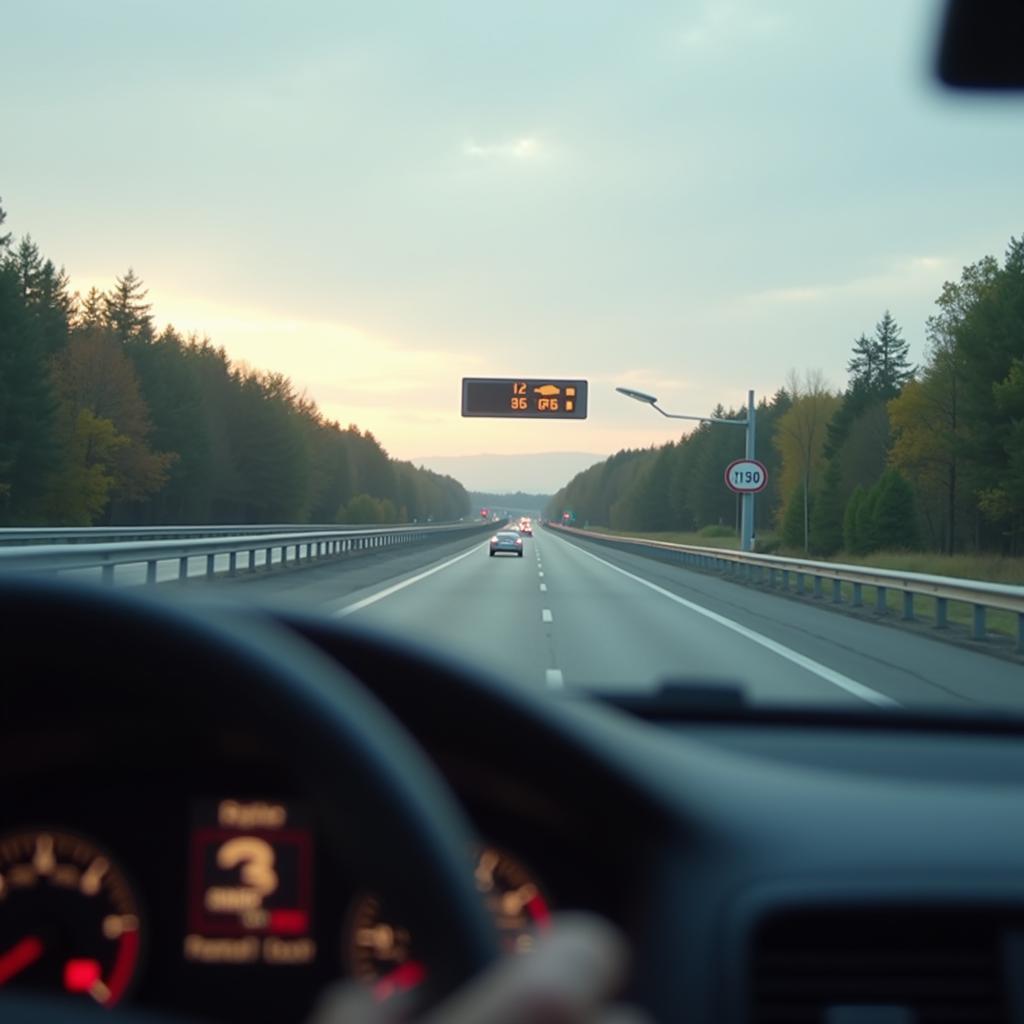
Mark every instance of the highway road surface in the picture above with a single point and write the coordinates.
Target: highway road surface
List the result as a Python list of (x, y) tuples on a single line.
[(574, 614)]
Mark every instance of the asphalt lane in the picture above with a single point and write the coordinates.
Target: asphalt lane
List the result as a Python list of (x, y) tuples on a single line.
[(910, 669), (560, 617), (488, 610), (576, 614)]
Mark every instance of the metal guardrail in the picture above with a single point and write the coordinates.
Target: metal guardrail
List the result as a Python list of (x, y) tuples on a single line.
[(16, 535), (778, 572), (289, 548)]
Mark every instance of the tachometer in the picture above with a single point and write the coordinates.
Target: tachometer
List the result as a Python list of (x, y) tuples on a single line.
[(380, 948), (69, 920)]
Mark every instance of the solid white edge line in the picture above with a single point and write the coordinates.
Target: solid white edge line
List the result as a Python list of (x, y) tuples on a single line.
[(546, 616), (553, 677), (388, 591), (808, 664)]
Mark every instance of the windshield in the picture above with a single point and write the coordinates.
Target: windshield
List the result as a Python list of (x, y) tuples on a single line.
[(601, 345)]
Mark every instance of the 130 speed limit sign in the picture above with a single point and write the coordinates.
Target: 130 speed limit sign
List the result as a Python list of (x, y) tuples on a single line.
[(746, 476)]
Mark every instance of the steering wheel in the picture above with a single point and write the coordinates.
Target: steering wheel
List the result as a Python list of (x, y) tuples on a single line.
[(65, 643)]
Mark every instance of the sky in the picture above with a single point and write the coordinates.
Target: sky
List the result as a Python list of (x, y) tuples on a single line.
[(378, 199)]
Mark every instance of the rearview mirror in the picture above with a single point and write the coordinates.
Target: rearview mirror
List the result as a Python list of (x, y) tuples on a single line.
[(982, 44)]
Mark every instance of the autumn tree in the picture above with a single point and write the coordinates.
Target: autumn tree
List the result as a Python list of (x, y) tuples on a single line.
[(92, 373), (800, 438)]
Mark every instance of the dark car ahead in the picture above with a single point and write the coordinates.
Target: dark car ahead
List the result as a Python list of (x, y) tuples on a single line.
[(507, 541)]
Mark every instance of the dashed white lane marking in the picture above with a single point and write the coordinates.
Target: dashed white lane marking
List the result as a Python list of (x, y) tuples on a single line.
[(814, 667), (553, 677), (546, 616), (388, 591), (541, 575), (543, 587)]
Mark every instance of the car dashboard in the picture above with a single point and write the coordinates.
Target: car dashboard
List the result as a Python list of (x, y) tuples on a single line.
[(765, 866)]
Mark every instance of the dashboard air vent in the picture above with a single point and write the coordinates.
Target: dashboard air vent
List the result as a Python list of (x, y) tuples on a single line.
[(909, 964)]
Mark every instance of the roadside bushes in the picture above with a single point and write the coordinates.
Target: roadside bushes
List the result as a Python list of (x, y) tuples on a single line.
[(882, 516), (716, 530)]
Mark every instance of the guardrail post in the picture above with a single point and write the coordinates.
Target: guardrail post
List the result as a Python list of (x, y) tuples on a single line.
[(269, 560), (908, 606), (151, 571), (210, 564), (941, 612), (183, 568), (232, 562), (252, 559), (978, 632), (818, 595), (771, 578), (1020, 632), (284, 554), (785, 579), (837, 591), (800, 583), (881, 607), (857, 600)]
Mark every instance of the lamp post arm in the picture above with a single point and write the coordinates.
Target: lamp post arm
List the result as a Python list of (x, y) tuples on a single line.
[(701, 419)]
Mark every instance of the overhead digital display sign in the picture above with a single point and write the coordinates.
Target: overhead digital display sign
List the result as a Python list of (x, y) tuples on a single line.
[(519, 398)]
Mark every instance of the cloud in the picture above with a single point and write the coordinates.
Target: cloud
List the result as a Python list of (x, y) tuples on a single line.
[(908, 275), (720, 22)]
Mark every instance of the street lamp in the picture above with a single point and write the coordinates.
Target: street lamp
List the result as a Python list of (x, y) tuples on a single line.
[(749, 425)]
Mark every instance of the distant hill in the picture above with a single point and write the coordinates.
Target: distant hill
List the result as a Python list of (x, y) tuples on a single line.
[(506, 474)]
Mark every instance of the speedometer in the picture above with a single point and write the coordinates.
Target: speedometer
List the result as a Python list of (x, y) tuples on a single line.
[(380, 948), (69, 920)]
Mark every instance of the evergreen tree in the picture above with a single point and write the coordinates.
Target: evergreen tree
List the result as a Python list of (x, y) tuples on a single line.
[(28, 452), (863, 364), (895, 517), (793, 535), (827, 513), (27, 265), (5, 239), (126, 313), (851, 535), (92, 310), (892, 358), (867, 539)]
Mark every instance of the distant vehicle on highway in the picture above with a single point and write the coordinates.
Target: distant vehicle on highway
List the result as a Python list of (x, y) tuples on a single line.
[(526, 527), (507, 541)]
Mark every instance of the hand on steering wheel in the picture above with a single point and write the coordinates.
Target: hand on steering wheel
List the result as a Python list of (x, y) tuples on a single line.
[(569, 978)]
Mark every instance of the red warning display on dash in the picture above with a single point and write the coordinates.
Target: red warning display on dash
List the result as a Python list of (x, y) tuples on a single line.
[(250, 883)]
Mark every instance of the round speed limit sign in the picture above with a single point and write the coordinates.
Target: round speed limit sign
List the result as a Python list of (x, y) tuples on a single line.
[(746, 476)]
